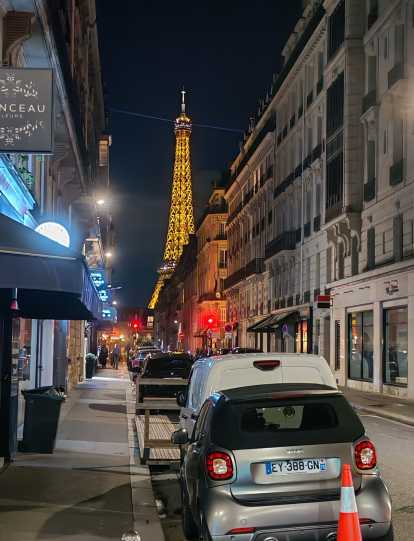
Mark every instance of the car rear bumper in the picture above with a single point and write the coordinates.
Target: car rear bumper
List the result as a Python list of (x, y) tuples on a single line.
[(224, 514), (317, 533)]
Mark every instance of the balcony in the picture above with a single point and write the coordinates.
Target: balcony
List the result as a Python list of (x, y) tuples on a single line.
[(319, 86), (290, 301), (235, 278), (317, 224), (372, 16), (306, 297), (292, 121), (307, 161), (316, 153), (316, 292), (298, 171), (285, 241), (300, 112), (269, 173), (285, 132), (255, 266), (263, 180), (279, 139), (369, 190), (333, 211), (221, 236), (298, 235), (222, 265), (395, 74), (207, 296), (309, 99), (397, 173), (307, 230), (279, 189), (289, 179), (369, 100)]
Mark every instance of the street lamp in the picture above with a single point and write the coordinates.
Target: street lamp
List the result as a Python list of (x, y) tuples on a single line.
[(108, 254), (114, 303), (101, 201)]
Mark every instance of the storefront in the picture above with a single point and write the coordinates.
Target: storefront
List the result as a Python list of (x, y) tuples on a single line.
[(372, 347), (42, 286)]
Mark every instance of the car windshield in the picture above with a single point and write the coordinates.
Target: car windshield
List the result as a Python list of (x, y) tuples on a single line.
[(310, 420)]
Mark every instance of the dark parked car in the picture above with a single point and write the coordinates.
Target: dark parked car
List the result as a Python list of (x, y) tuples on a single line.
[(165, 366), (238, 350), (223, 351), (272, 454)]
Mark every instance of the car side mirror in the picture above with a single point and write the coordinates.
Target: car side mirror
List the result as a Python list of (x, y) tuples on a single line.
[(180, 436), (181, 399)]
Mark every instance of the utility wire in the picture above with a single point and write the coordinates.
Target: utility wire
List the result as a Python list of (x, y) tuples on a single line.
[(169, 120)]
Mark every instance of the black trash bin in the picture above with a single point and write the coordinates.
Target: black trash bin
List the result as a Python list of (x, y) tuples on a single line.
[(90, 368), (41, 419)]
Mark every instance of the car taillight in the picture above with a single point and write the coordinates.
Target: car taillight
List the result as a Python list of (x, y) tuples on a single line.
[(365, 455), (241, 530), (136, 363), (219, 466), (266, 365)]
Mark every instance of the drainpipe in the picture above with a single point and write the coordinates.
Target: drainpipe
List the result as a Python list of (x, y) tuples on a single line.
[(72, 37), (302, 184)]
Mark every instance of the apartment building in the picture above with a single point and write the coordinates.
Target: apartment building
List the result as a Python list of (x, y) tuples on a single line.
[(320, 198)]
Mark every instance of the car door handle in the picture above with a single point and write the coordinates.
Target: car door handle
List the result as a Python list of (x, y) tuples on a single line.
[(184, 416)]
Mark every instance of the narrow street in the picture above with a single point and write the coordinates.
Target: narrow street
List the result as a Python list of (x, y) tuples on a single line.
[(82, 491)]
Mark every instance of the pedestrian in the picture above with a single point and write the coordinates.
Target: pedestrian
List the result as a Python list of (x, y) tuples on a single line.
[(116, 355), (103, 356)]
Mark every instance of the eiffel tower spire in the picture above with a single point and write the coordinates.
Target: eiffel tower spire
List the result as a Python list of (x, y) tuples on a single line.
[(181, 223)]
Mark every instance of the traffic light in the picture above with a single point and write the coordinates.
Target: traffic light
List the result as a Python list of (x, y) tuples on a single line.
[(136, 325), (211, 321)]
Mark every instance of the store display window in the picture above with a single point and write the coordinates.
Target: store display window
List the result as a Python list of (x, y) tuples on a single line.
[(361, 345), (396, 346)]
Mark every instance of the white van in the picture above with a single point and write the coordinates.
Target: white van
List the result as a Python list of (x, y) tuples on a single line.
[(244, 370)]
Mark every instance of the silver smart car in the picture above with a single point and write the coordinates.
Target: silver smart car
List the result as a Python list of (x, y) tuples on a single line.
[(264, 464)]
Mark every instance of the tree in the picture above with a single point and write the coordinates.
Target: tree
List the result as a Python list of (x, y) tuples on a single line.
[(144, 341)]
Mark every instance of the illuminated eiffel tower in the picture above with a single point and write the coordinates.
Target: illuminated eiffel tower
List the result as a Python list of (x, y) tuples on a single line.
[(181, 223)]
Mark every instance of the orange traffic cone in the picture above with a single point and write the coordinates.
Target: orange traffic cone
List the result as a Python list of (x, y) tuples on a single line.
[(348, 527)]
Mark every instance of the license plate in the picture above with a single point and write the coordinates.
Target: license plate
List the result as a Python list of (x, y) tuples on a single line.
[(286, 467)]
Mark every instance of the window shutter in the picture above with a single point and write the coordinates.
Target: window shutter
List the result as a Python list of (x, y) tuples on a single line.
[(17, 27)]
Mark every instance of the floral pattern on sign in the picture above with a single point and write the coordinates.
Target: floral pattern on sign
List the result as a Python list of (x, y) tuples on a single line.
[(13, 86), (13, 134)]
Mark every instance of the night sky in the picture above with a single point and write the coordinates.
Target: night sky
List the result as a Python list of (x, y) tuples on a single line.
[(225, 53)]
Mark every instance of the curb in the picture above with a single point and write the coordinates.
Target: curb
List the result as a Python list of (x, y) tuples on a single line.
[(398, 418), (146, 518)]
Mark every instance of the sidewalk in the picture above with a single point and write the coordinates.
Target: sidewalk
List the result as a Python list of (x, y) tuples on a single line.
[(389, 407), (93, 487)]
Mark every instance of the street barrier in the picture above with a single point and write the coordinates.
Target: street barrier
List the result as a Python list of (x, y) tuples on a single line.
[(348, 526)]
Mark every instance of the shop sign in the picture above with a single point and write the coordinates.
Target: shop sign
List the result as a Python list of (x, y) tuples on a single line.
[(391, 287), (98, 278), (54, 231), (109, 314), (324, 301), (26, 110), (228, 335), (304, 313), (103, 295)]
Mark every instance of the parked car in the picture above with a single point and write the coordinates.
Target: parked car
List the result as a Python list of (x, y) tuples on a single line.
[(231, 371), (238, 350), (24, 364), (138, 361), (265, 462), (165, 366), (224, 351)]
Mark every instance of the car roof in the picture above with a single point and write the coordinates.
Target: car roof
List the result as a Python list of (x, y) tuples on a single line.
[(170, 355), (262, 392)]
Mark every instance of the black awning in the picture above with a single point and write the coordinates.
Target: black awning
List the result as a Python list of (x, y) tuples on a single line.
[(53, 282), (272, 322)]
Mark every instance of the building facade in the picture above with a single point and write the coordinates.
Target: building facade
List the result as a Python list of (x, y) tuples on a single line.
[(320, 198)]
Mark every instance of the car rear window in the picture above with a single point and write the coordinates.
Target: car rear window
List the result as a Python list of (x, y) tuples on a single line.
[(169, 365), (285, 422)]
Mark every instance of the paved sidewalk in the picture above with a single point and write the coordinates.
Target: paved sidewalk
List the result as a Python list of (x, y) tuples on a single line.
[(389, 407), (93, 487)]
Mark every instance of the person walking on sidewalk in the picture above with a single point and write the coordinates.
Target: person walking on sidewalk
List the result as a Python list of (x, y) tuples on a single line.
[(103, 356), (116, 354)]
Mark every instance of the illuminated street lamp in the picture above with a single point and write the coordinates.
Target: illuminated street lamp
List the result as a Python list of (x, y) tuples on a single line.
[(114, 303), (108, 254), (101, 201)]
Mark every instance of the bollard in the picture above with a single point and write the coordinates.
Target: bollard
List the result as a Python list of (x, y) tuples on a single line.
[(132, 535)]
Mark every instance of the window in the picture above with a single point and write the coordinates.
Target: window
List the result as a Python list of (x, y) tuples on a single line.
[(150, 321), (337, 345), (202, 421), (336, 28), (301, 345), (398, 238), (396, 346), (386, 47), (371, 249), (361, 349)]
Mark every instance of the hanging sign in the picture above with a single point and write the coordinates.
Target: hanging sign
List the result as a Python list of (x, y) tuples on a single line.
[(98, 278), (103, 295), (54, 231), (26, 110)]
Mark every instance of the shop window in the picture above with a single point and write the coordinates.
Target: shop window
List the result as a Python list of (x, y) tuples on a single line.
[(150, 321), (361, 348), (301, 343), (337, 345), (396, 346)]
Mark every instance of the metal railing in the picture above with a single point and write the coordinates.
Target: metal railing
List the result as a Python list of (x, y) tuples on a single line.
[(235, 278), (317, 223), (397, 173), (255, 266), (369, 190), (307, 230), (369, 100), (395, 74), (285, 241), (309, 99)]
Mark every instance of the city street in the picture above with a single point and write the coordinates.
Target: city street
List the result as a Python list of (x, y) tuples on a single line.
[(395, 446)]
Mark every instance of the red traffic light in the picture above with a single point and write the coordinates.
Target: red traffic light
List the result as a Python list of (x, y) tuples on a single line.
[(136, 324), (211, 322)]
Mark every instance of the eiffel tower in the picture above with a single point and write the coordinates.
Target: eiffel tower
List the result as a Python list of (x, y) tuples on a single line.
[(181, 223)]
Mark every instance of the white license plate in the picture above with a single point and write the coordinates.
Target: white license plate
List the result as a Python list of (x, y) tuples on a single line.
[(286, 467)]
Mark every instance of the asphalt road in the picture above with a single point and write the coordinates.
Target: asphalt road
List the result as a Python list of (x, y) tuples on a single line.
[(394, 443)]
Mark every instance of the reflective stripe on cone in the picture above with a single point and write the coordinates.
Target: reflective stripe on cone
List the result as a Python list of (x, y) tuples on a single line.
[(348, 527)]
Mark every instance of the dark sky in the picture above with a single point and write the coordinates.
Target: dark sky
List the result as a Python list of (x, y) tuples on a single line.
[(225, 53)]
